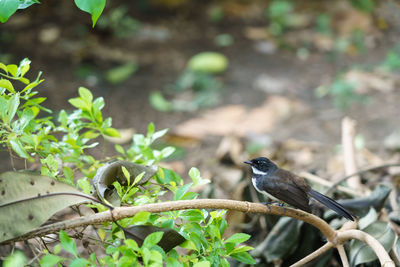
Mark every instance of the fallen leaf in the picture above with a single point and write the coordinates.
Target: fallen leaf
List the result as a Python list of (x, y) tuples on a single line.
[(238, 121), (28, 200)]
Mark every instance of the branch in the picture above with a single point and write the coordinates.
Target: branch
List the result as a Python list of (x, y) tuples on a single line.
[(124, 212), (348, 135), (337, 238), (374, 244)]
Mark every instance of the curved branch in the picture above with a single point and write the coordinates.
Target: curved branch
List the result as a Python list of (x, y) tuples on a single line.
[(124, 212), (334, 237), (374, 244), (314, 255)]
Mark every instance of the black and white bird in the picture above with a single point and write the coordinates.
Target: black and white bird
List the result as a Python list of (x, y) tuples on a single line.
[(282, 185)]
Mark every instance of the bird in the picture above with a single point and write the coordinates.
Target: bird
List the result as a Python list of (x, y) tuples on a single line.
[(282, 185)]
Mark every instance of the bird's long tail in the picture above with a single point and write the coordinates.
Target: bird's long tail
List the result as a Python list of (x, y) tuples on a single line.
[(332, 204)]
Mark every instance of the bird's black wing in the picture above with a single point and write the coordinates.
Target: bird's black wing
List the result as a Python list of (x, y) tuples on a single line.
[(288, 191)]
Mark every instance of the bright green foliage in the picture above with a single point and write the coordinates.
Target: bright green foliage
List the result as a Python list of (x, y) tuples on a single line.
[(9, 7), (25, 133), (93, 7), (279, 14)]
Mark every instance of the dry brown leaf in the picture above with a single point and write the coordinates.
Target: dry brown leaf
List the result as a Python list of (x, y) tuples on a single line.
[(238, 121)]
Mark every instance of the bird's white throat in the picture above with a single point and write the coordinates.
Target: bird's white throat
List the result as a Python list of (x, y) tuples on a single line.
[(257, 171)]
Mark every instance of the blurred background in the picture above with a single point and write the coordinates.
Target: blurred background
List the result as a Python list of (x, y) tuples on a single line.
[(230, 79)]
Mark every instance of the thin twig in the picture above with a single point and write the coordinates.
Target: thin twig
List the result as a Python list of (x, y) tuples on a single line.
[(343, 256), (314, 255), (338, 182)]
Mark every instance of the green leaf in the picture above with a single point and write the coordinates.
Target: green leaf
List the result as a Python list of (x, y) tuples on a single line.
[(362, 253), (84, 184), (3, 67), (112, 132), (17, 146), (238, 238), (27, 3), (85, 94), (181, 191), (243, 257), (93, 7), (26, 117), (202, 264), (7, 8), (152, 239), (28, 200), (140, 217), (68, 243), (150, 129), (121, 73), (49, 260), (79, 262), (6, 84), (158, 102), (78, 103), (192, 216), (15, 259), (13, 104), (12, 68), (208, 62), (23, 67)]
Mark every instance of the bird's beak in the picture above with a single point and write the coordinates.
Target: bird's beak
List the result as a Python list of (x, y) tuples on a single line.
[(248, 162)]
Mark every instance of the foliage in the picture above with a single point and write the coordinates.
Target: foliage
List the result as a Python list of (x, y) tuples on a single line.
[(279, 13), (121, 24), (203, 89), (9, 7), (343, 92), (60, 148)]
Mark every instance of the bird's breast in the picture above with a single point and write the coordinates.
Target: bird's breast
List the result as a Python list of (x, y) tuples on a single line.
[(257, 185)]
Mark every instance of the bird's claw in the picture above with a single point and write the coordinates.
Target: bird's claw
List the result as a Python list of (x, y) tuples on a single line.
[(273, 202)]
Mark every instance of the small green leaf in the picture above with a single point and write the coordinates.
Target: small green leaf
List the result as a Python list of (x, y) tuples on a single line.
[(93, 7), (140, 217), (243, 257), (7, 8), (126, 174), (68, 243), (138, 178), (121, 73), (209, 62), (112, 132), (50, 260), (85, 94), (79, 262), (13, 104), (158, 102), (181, 191), (12, 68), (150, 129), (17, 146), (6, 84), (3, 67), (238, 238), (15, 259), (192, 216), (23, 67), (152, 239), (84, 184), (78, 103), (27, 3), (202, 264)]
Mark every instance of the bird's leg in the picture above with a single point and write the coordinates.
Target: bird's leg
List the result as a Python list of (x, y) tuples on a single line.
[(271, 202), (282, 205)]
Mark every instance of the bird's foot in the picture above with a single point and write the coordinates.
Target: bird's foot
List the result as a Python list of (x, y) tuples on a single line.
[(273, 202)]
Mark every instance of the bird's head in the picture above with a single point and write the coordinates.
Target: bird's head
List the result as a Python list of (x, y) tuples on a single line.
[(262, 165)]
